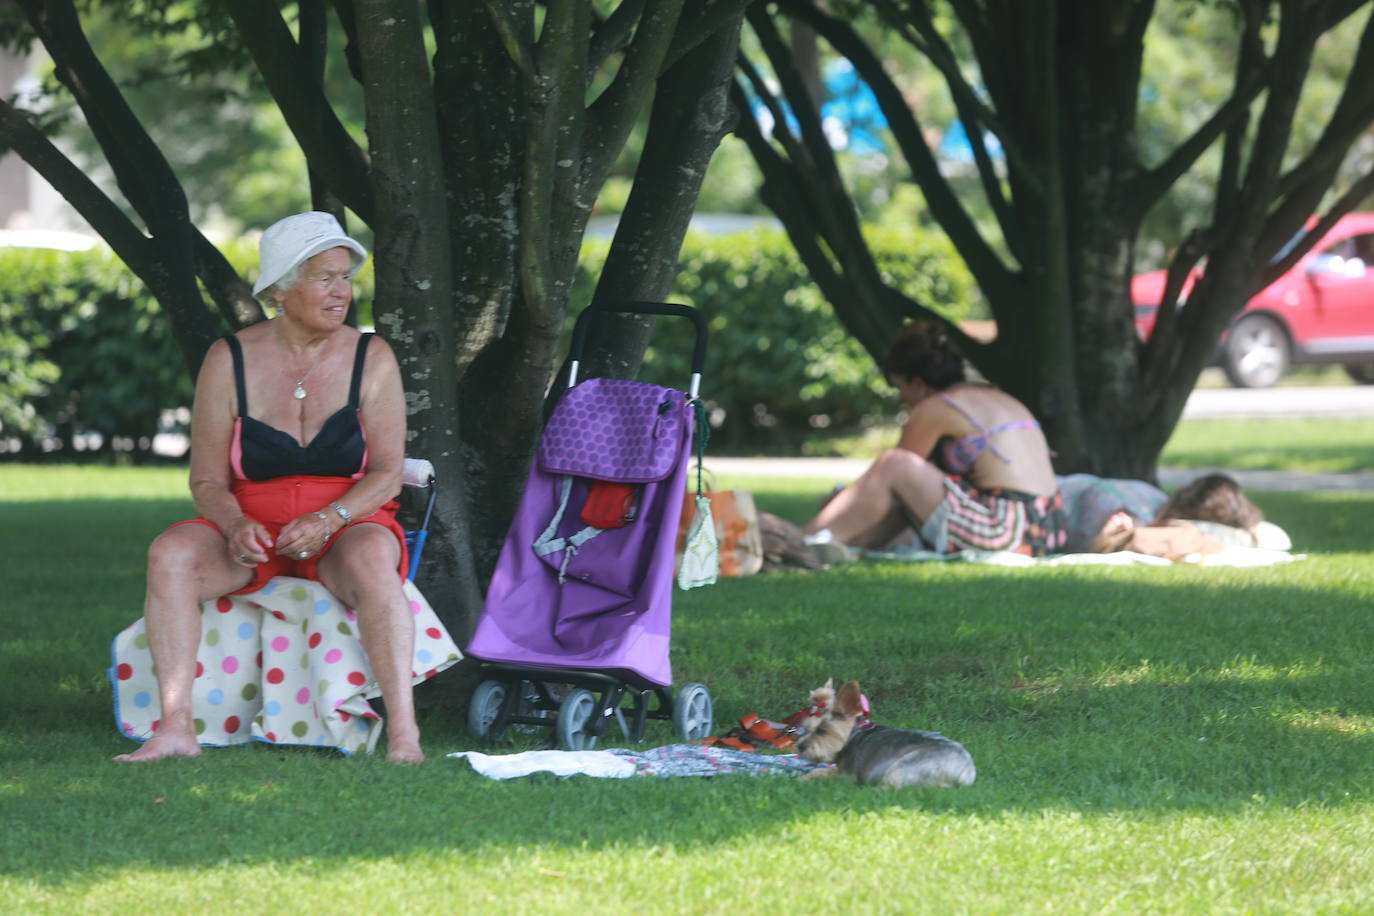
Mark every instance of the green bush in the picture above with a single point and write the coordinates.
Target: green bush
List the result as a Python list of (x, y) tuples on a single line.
[(84, 347), (780, 368), (86, 350)]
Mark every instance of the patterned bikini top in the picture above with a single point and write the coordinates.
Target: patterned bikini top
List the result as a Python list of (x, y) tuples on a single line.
[(263, 452), (958, 455)]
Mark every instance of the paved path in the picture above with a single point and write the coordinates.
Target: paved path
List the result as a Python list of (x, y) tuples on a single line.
[(1203, 403), (1325, 401), (842, 470)]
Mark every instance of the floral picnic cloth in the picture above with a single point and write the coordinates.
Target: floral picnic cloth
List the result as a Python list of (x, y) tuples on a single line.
[(698, 760), (619, 762), (282, 665)]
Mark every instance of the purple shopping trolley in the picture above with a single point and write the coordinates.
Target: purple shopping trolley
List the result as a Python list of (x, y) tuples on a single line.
[(576, 626)]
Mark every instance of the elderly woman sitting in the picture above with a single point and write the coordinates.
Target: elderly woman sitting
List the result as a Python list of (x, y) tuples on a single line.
[(297, 447)]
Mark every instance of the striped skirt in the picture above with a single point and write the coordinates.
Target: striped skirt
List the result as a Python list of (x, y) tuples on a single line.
[(995, 519)]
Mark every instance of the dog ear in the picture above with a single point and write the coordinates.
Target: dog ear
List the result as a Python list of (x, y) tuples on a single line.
[(849, 701), (822, 695)]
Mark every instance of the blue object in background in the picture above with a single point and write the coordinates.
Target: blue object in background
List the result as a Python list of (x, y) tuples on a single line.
[(954, 144), (851, 103)]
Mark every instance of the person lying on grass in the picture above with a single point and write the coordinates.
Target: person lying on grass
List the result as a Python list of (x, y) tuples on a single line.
[(971, 468), (1203, 516)]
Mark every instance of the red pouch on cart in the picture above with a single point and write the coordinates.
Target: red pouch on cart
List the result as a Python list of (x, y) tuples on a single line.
[(609, 504)]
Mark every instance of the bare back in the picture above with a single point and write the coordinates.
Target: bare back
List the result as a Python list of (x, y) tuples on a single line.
[(1013, 451)]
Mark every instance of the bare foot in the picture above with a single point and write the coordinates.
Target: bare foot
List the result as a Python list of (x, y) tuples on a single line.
[(161, 746), (405, 752), (403, 745)]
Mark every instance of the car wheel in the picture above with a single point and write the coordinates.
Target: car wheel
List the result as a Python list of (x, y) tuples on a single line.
[(1363, 373), (1256, 352)]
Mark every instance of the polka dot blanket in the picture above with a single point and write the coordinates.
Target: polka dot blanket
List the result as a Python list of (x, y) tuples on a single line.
[(281, 665)]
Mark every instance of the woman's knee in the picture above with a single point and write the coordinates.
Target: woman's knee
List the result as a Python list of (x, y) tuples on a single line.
[(898, 462), (917, 483), (364, 559), (177, 552), (367, 546)]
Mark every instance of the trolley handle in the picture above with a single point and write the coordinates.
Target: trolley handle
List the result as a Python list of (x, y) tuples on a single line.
[(579, 335)]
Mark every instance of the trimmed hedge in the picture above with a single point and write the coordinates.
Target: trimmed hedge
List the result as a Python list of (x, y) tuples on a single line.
[(84, 347), (780, 367), (92, 353)]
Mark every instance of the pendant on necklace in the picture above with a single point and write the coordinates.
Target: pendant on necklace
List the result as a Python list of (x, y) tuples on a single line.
[(299, 393)]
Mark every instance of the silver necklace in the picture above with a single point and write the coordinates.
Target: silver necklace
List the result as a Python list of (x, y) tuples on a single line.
[(300, 392)]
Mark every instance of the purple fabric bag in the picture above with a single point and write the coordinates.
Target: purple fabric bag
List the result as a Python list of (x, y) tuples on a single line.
[(606, 604), (614, 429)]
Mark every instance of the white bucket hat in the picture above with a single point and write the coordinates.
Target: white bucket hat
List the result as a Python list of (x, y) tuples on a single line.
[(288, 242)]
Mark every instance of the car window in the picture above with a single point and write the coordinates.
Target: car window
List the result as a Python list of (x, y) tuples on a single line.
[(1348, 257), (1364, 247)]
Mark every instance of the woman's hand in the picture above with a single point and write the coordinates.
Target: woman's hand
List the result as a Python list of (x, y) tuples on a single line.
[(304, 537), (247, 541)]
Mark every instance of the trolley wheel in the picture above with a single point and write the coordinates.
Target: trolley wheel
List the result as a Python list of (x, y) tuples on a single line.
[(692, 712), (484, 709), (574, 714)]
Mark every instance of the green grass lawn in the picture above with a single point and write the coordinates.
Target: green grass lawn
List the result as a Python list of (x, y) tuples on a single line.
[(1148, 740)]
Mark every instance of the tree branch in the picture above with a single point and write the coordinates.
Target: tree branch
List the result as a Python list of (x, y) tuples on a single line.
[(555, 91), (140, 169), (612, 116), (922, 34), (518, 46), (698, 21), (1350, 119), (166, 261), (327, 145), (613, 35), (95, 207), (1353, 197), (691, 113), (940, 197), (1152, 184)]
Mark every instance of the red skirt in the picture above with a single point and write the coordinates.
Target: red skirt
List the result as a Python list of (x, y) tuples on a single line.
[(273, 503)]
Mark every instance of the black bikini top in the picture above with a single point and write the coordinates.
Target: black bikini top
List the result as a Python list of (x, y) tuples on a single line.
[(262, 452)]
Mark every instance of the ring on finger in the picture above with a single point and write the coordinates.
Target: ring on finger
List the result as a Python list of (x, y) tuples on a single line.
[(303, 554), (242, 558)]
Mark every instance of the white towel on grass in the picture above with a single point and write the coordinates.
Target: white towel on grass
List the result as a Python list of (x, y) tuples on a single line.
[(559, 763)]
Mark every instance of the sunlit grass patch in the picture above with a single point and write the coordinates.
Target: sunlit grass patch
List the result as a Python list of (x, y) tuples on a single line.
[(1170, 740)]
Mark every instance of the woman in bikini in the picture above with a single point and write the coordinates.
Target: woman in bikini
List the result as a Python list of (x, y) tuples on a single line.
[(297, 449), (970, 471)]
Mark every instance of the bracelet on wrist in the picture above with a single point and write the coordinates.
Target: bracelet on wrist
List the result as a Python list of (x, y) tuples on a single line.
[(322, 516), (343, 512)]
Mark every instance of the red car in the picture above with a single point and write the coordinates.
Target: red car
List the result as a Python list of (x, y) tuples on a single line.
[(1320, 311)]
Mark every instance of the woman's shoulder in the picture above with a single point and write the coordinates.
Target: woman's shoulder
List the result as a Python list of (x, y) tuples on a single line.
[(379, 351), (987, 399), (216, 357)]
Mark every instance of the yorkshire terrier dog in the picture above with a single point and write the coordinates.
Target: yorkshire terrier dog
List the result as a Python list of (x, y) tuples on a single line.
[(876, 755)]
